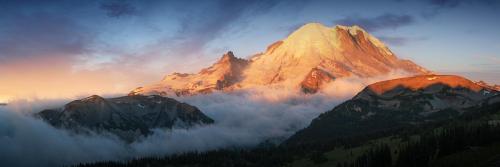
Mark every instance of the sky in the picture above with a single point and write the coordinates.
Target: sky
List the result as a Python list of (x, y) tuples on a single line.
[(53, 49)]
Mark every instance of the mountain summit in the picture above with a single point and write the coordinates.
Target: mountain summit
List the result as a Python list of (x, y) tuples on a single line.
[(307, 59)]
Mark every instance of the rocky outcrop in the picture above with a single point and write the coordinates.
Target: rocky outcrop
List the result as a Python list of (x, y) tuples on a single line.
[(315, 80)]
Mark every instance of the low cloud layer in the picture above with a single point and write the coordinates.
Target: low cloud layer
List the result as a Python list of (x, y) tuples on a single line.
[(242, 119), (26, 141)]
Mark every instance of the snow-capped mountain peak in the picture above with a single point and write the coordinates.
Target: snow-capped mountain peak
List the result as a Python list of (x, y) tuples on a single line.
[(313, 49)]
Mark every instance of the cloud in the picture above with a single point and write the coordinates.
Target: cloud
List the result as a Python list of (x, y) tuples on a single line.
[(42, 34), (248, 117), (118, 9), (26, 141), (242, 119), (372, 24)]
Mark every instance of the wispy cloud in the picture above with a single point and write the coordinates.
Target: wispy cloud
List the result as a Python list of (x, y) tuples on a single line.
[(372, 24)]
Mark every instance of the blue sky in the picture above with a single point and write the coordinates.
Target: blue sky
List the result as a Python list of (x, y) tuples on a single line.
[(136, 42)]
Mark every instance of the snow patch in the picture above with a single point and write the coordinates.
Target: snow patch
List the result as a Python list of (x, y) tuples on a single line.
[(431, 78)]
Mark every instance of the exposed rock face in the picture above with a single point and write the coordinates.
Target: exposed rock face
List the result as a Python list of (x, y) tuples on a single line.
[(336, 52), (128, 117), (220, 76), (399, 103), (315, 80)]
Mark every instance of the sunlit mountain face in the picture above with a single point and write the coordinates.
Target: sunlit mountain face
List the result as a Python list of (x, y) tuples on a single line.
[(308, 59), (250, 83)]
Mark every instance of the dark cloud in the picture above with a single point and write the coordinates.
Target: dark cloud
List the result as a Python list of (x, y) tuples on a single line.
[(42, 34), (118, 9), (381, 22)]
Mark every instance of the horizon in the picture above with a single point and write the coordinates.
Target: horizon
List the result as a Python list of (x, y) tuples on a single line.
[(111, 47)]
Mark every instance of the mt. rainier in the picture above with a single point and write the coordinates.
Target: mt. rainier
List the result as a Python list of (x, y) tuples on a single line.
[(307, 59)]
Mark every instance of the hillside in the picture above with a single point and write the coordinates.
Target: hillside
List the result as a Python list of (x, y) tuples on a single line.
[(396, 104)]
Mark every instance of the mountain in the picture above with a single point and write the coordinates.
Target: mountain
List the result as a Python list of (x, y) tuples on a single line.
[(307, 59), (397, 104), (128, 117)]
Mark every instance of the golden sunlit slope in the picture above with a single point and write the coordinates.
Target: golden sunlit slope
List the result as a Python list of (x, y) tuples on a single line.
[(420, 82)]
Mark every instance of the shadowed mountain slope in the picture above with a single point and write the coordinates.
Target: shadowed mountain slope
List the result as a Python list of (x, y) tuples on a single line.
[(128, 117)]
